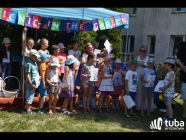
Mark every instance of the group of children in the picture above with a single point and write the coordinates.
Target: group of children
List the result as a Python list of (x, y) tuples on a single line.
[(59, 68)]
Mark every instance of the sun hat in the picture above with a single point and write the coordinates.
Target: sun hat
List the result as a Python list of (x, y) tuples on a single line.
[(6, 40), (34, 52), (118, 61), (97, 43), (150, 60), (54, 62), (134, 62), (171, 61), (44, 55), (70, 60), (108, 56), (61, 45)]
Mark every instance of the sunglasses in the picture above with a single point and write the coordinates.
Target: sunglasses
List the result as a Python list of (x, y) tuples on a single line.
[(142, 51)]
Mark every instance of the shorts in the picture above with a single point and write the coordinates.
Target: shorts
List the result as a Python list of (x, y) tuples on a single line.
[(183, 91), (168, 100), (147, 91), (52, 89), (105, 92), (29, 93), (42, 91), (85, 85), (132, 95)]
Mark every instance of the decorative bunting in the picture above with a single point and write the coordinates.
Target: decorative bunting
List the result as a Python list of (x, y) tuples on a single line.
[(95, 24), (67, 24), (101, 24), (21, 18), (123, 19), (36, 21), (5, 14), (107, 23), (28, 21), (82, 25), (1, 11), (55, 24), (112, 21), (118, 21), (74, 25), (13, 16), (48, 23)]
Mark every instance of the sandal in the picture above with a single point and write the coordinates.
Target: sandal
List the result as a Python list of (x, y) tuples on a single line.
[(107, 110), (100, 111), (127, 116), (88, 109), (73, 111), (142, 114), (84, 111), (181, 118)]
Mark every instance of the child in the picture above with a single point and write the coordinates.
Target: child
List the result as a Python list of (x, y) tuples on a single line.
[(28, 48), (147, 91), (68, 93), (52, 79), (5, 58), (106, 85), (169, 89), (87, 84), (63, 58), (77, 54), (86, 51), (43, 85), (131, 79), (118, 85), (31, 72)]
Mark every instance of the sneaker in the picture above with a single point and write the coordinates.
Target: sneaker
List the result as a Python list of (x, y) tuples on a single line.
[(134, 115), (164, 118), (65, 112), (50, 112), (41, 112), (30, 112), (127, 116)]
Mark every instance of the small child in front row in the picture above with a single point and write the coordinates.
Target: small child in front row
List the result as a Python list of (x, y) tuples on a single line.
[(169, 89), (118, 85), (147, 91), (53, 79), (106, 86), (68, 78), (131, 79)]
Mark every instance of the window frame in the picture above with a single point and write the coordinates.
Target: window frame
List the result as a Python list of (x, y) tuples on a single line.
[(149, 44), (173, 41), (128, 43)]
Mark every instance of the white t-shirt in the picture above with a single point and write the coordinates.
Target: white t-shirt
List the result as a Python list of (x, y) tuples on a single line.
[(75, 53), (27, 51), (7, 60), (132, 77), (170, 91)]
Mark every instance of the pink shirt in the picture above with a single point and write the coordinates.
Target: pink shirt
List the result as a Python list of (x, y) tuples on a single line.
[(64, 58)]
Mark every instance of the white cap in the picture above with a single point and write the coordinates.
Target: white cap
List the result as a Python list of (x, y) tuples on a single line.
[(54, 62), (61, 45), (118, 61), (34, 52), (171, 61)]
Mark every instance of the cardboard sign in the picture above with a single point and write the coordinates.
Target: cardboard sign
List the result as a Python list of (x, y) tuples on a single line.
[(74, 25), (48, 23), (107, 23), (21, 18), (67, 24), (95, 25), (36, 21), (113, 22), (82, 25), (55, 24), (101, 24), (5, 14), (28, 21), (13, 16)]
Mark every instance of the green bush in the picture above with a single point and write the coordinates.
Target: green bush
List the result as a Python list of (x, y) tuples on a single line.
[(161, 72)]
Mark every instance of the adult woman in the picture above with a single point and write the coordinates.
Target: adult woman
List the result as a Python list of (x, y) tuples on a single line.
[(5, 58), (143, 58)]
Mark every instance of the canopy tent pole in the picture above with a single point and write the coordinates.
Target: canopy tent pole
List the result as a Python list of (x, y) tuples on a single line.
[(24, 82), (126, 47), (36, 39)]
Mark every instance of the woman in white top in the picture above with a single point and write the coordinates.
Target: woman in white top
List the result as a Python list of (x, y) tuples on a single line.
[(142, 57)]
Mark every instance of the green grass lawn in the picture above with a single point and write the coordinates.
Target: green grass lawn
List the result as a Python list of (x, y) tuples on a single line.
[(16, 120)]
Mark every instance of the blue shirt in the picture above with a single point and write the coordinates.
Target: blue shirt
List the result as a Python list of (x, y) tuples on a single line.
[(32, 68), (145, 72)]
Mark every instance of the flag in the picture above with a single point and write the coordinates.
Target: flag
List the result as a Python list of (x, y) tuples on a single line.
[(55, 24), (82, 25), (123, 19), (13, 16), (21, 18), (28, 21), (74, 25), (118, 21), (95, 24), (1, 11), (48, 23), (67, 24), (36, 21), (113, 22), (108, 24), (5, 14), (101, 24)]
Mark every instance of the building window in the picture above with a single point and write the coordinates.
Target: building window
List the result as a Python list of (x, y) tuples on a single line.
[(176, 40), (130, 44), (152, 42), (181, 9), (134, 10)]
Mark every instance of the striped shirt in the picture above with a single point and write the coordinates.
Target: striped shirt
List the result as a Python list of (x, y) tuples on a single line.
[(31, 67)]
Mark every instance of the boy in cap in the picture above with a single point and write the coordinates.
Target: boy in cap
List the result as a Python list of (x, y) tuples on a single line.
[(147, 91), (168, 89), (131, 80), (43, 86), (31, 72)]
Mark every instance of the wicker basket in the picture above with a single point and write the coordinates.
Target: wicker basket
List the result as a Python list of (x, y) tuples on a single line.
[(9, 94)]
